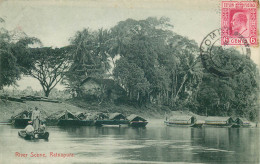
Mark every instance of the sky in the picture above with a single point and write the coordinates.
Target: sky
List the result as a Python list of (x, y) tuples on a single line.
[(54, 22)]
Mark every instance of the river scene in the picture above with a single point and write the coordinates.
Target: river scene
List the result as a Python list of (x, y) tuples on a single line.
[(138, 81), (156, 143)]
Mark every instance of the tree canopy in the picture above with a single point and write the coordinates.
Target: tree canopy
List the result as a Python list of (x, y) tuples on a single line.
[(49, 66), (14, 56)]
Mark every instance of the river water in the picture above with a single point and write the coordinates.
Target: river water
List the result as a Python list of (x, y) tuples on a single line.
[(154, 144)]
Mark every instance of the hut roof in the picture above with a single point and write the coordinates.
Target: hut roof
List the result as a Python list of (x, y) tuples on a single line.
[(19, 113), (244, 120), (217, 119), (116, 116), (184, 119), (80, 115), (134, 117), (60, 114)]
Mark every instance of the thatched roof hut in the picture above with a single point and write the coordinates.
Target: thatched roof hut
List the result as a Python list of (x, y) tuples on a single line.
[(180, 119), (26, 114), (64, 115), (80, 115), (219, 120), (20, 114), (116, 116), (97, 116), (134, 117), (242, 121)]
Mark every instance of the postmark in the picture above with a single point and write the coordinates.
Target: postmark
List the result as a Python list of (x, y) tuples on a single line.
[(223, 60), (239, 18)]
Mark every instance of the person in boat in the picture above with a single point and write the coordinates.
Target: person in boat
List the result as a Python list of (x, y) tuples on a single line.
[(36, 114), (29, 129), (42, 127)]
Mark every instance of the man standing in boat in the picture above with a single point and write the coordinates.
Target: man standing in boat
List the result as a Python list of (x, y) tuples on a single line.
[(36, 115)]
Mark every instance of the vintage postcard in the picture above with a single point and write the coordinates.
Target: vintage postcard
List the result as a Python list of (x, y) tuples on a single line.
[(137, 81)]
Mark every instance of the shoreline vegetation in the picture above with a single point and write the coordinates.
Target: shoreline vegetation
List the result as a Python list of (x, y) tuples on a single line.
[(135, 67)]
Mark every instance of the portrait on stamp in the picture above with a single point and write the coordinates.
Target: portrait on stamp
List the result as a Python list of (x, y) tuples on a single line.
[(239, 24)]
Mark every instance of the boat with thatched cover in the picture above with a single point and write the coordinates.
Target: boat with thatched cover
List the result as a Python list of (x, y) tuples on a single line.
[(84, 119), (67, 118), (182, 121), (241, 122), (117, 119), (21, 117), (219, 121), (63, 118), (136, 121)]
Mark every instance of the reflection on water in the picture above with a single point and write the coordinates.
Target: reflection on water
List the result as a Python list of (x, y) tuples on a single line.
[(154, 144)]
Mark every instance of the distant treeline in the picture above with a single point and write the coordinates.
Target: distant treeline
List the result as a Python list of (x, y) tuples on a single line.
[(146, 58)]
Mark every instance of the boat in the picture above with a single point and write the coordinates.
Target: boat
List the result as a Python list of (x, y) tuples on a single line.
[(20, 122), (36, 135), (67, 118), (114, 119), (225, 122), (136, 121), (182, 121), (84, 119), (241, 122), (21, 118)]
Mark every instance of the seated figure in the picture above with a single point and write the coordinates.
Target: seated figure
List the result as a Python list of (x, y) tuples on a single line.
[(29, 128), (42, 127)]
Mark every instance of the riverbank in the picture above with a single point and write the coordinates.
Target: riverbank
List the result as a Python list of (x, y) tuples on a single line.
[(10, 108)]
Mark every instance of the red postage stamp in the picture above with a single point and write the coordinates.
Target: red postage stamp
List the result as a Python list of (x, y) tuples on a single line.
[(239, 23)]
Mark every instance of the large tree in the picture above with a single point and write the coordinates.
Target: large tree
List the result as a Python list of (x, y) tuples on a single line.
[(49, 66)]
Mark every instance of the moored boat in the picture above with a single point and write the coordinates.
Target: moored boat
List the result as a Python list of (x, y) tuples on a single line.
[(21, 118), (20, 122), (112, 119), (241, 122), (136, 121), (182, 121), (84, 119), (219, 122), (63, 118)]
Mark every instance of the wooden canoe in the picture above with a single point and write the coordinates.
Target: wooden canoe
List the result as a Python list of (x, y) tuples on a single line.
[(24, 135)]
